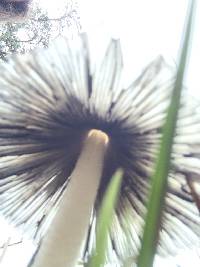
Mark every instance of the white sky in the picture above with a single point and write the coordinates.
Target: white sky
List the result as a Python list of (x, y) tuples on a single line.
[(146, 29)]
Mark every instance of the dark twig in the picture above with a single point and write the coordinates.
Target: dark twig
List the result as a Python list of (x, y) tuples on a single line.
[(194, 193)]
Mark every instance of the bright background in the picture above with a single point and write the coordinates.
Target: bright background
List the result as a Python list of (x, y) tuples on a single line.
[(146, 29)]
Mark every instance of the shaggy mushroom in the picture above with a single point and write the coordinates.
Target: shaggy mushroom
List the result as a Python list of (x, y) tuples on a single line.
[(66, 125)]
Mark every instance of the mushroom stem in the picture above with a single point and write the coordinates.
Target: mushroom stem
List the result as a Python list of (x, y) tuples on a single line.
[(62, 244)]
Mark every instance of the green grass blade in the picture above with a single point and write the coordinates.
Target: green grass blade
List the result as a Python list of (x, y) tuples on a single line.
[(105, 219), (159, 179)]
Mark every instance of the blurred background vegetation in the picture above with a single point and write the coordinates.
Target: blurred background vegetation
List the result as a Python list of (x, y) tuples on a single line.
[(38, 29)]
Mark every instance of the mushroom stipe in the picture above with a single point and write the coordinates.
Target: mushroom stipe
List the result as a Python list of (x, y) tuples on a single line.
[(77, 200), (50, 100)]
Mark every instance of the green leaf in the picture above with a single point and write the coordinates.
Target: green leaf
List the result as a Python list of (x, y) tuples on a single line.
[(105, 219), (159, 179)]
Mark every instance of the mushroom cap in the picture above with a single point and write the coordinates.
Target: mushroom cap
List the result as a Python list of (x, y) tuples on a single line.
[(50, 98)]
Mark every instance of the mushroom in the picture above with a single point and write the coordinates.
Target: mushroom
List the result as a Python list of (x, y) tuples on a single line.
[(67, 124)]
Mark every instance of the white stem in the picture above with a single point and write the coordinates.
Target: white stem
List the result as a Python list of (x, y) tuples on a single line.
[(62, 243)]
